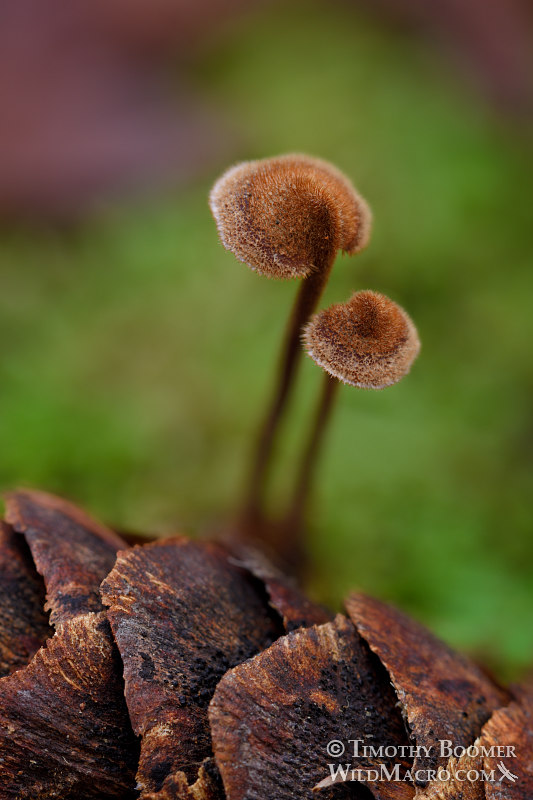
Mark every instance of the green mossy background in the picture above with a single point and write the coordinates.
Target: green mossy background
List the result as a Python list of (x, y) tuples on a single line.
[(136, 355)]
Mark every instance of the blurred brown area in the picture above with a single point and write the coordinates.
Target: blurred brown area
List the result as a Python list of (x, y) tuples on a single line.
[(97, 103), (90, 105), (491, 41)]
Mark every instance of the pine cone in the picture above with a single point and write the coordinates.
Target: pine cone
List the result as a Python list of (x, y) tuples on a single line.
[(182, 669)]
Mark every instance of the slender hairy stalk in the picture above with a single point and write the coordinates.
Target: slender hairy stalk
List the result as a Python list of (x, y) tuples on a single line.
[(306, 301), (296, 513)]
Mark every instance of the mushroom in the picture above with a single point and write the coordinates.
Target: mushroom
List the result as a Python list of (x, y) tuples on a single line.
[(287, 217), (369, 342)]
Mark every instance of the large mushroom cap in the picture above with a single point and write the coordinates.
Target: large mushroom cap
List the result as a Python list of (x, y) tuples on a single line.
[(284, 217)]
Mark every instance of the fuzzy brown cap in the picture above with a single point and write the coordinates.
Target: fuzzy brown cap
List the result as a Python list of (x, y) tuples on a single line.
[(368, 342), (287, 216)]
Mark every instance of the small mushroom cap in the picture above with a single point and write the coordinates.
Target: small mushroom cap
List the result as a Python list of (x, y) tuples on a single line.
[(287, 216), (368, 342)]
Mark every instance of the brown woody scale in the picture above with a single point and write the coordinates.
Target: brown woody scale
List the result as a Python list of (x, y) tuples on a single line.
[(183, 670)]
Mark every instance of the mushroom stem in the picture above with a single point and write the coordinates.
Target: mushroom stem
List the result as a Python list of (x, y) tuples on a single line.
[(302, 489), (306, 301)]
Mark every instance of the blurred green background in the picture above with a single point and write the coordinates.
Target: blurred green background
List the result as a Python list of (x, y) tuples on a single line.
[(136, 355)]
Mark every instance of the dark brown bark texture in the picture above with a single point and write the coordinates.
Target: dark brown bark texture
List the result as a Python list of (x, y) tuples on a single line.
[(63, 719), (198, 671), (72, 552), (285, 705), (182, 615), (23, 623), (444, 695)]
